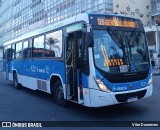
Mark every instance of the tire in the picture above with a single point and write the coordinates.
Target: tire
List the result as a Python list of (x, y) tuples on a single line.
[(15, 81), (59, 94)]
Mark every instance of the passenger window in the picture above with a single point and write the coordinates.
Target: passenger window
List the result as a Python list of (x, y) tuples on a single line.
[(25, 49), (53, 46), (38, 47), (13, 54), (18, 54), (8, 51)]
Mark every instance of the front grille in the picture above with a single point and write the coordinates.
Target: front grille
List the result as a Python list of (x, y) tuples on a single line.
[(124, 97), (124, 79)]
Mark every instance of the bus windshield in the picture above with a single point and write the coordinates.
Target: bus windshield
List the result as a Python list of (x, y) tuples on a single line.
[(120, 51)]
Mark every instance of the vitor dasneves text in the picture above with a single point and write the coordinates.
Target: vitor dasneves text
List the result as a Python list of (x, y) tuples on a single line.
[(145, 124)]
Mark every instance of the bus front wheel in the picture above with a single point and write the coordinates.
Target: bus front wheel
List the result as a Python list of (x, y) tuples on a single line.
[(59, 94), (15, 80)]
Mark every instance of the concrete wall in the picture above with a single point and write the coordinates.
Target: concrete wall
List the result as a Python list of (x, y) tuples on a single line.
[(140, 9)]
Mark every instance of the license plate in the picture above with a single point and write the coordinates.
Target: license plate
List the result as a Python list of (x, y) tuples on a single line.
[(123, 68), (132, 99)]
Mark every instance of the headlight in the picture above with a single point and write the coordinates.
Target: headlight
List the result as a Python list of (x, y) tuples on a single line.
[(101, 85), (150, 81)]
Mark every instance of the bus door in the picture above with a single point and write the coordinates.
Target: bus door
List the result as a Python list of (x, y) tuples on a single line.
[(73, 64), (8, 54)]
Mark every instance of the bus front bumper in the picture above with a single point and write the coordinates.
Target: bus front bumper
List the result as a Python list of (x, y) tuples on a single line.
[(100, 99)]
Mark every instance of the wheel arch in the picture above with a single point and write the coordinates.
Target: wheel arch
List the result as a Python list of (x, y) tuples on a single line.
[(53, 79)]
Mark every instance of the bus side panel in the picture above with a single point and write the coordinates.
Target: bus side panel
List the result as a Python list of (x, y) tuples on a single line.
[(84, 81), (43, 69), (35, 74)]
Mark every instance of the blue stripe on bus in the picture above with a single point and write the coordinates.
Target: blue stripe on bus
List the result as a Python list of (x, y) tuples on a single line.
[(84, 81), (41, 69)]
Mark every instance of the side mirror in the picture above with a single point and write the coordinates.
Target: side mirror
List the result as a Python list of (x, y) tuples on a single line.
[(89, 39)]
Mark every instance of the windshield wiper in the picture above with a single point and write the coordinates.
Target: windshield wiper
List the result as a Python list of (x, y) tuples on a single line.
[(115, 38)]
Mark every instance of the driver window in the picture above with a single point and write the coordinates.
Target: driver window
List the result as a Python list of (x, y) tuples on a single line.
[(137, 44)]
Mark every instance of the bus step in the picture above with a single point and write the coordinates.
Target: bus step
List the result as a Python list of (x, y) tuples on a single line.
[(75, 101)]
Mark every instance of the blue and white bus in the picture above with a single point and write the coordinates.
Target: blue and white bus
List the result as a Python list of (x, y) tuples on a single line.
[(91, 59)]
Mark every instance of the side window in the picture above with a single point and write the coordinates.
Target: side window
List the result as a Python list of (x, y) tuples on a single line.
[(38, 47), (8, 52), (13, 54), (53, 46), (4, 52), (25, 49), (18, 54)]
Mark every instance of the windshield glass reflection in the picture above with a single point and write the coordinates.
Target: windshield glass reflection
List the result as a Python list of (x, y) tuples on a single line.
[(120, 51)]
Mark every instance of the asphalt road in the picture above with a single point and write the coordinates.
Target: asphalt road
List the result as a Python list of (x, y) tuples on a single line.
[(29, 105)]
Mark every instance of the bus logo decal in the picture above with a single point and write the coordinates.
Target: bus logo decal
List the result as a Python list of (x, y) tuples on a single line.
[(131, 86)]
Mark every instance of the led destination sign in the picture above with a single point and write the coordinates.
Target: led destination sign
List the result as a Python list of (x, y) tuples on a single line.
[(114, 21)]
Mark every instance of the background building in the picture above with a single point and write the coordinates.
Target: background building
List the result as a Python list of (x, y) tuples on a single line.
[(153, 30), (20, 16), (145, 10), (140, 9)]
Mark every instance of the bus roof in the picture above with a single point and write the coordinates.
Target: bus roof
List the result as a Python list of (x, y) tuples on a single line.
[(79, 17), (94, 14)]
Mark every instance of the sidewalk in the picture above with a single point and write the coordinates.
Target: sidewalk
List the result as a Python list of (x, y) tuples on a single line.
[(156, 71)]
